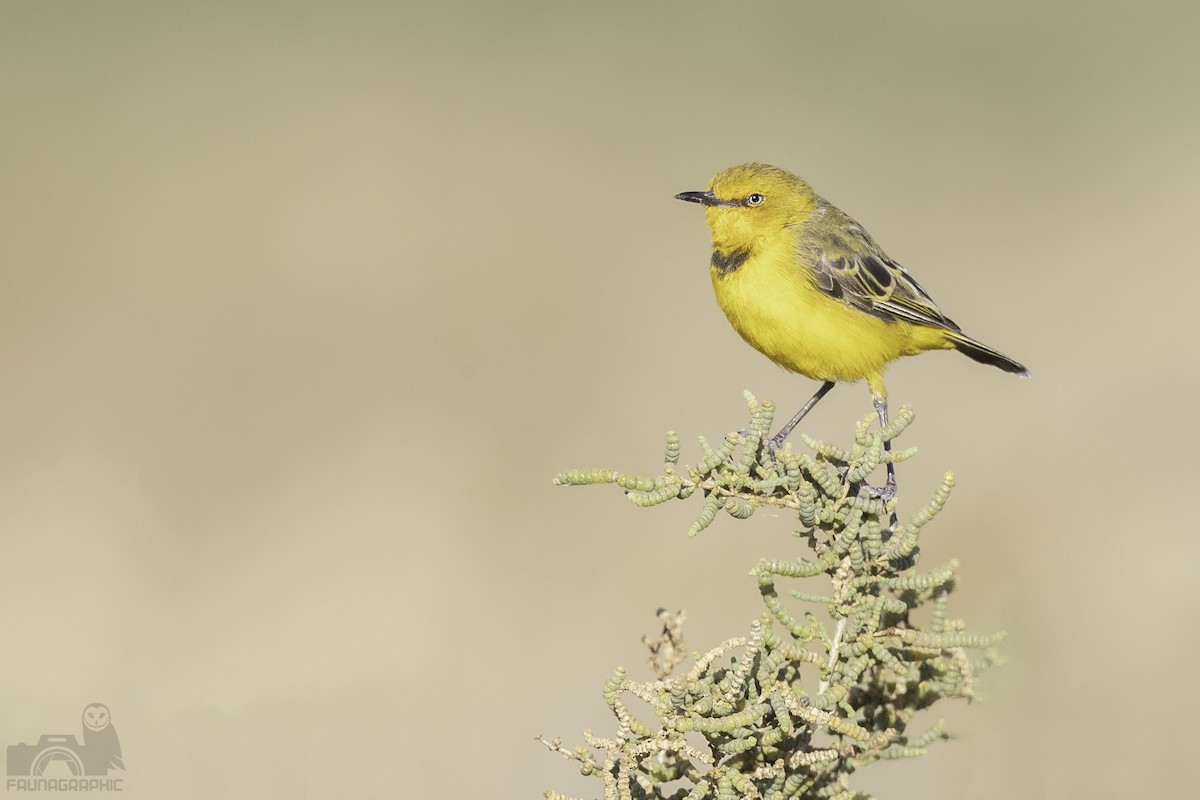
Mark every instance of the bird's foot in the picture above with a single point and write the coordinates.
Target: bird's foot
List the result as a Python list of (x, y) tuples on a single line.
[(774, 443), (884, 493), (771, 443)]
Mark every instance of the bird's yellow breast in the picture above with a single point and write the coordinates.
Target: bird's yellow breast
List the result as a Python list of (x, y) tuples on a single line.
[(772, 300)]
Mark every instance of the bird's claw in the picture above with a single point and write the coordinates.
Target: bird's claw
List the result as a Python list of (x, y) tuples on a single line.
[(772, 443), (884, 493)]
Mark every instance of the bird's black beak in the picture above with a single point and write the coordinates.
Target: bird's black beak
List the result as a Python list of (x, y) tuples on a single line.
[(703, 198)]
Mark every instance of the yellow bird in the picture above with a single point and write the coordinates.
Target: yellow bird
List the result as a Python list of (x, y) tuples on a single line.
[(807, 286)]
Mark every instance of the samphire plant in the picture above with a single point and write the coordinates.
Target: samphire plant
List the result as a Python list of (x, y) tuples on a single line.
[(806, 698)]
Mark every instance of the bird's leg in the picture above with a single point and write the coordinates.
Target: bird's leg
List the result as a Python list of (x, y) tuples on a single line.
[(888, 490), (776, 441)]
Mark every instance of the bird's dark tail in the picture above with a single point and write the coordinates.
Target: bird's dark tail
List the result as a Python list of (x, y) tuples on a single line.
[(986, 355)]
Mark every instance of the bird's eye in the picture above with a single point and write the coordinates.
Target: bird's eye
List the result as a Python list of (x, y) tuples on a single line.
[(755, 199)]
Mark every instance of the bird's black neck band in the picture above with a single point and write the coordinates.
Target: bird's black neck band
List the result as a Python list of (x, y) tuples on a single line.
[(726, 263)]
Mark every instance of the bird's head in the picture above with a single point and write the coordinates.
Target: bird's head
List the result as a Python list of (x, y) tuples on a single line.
[(752, 201)]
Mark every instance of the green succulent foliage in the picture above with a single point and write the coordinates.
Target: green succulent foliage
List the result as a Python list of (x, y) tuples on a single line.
[(793, 709)]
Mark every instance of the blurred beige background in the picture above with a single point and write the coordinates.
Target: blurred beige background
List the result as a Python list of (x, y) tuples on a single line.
[(304, 304)]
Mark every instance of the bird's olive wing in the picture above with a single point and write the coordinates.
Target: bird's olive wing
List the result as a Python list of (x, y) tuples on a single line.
[(850, 267)]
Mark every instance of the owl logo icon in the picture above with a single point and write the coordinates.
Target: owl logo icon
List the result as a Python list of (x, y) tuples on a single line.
[(102, 749), (63, 754)]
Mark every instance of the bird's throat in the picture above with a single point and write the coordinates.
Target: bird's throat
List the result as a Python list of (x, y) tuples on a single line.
[(726, 262)]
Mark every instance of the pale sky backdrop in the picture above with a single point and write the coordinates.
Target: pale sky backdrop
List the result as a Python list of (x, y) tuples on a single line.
[(302, 305)]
